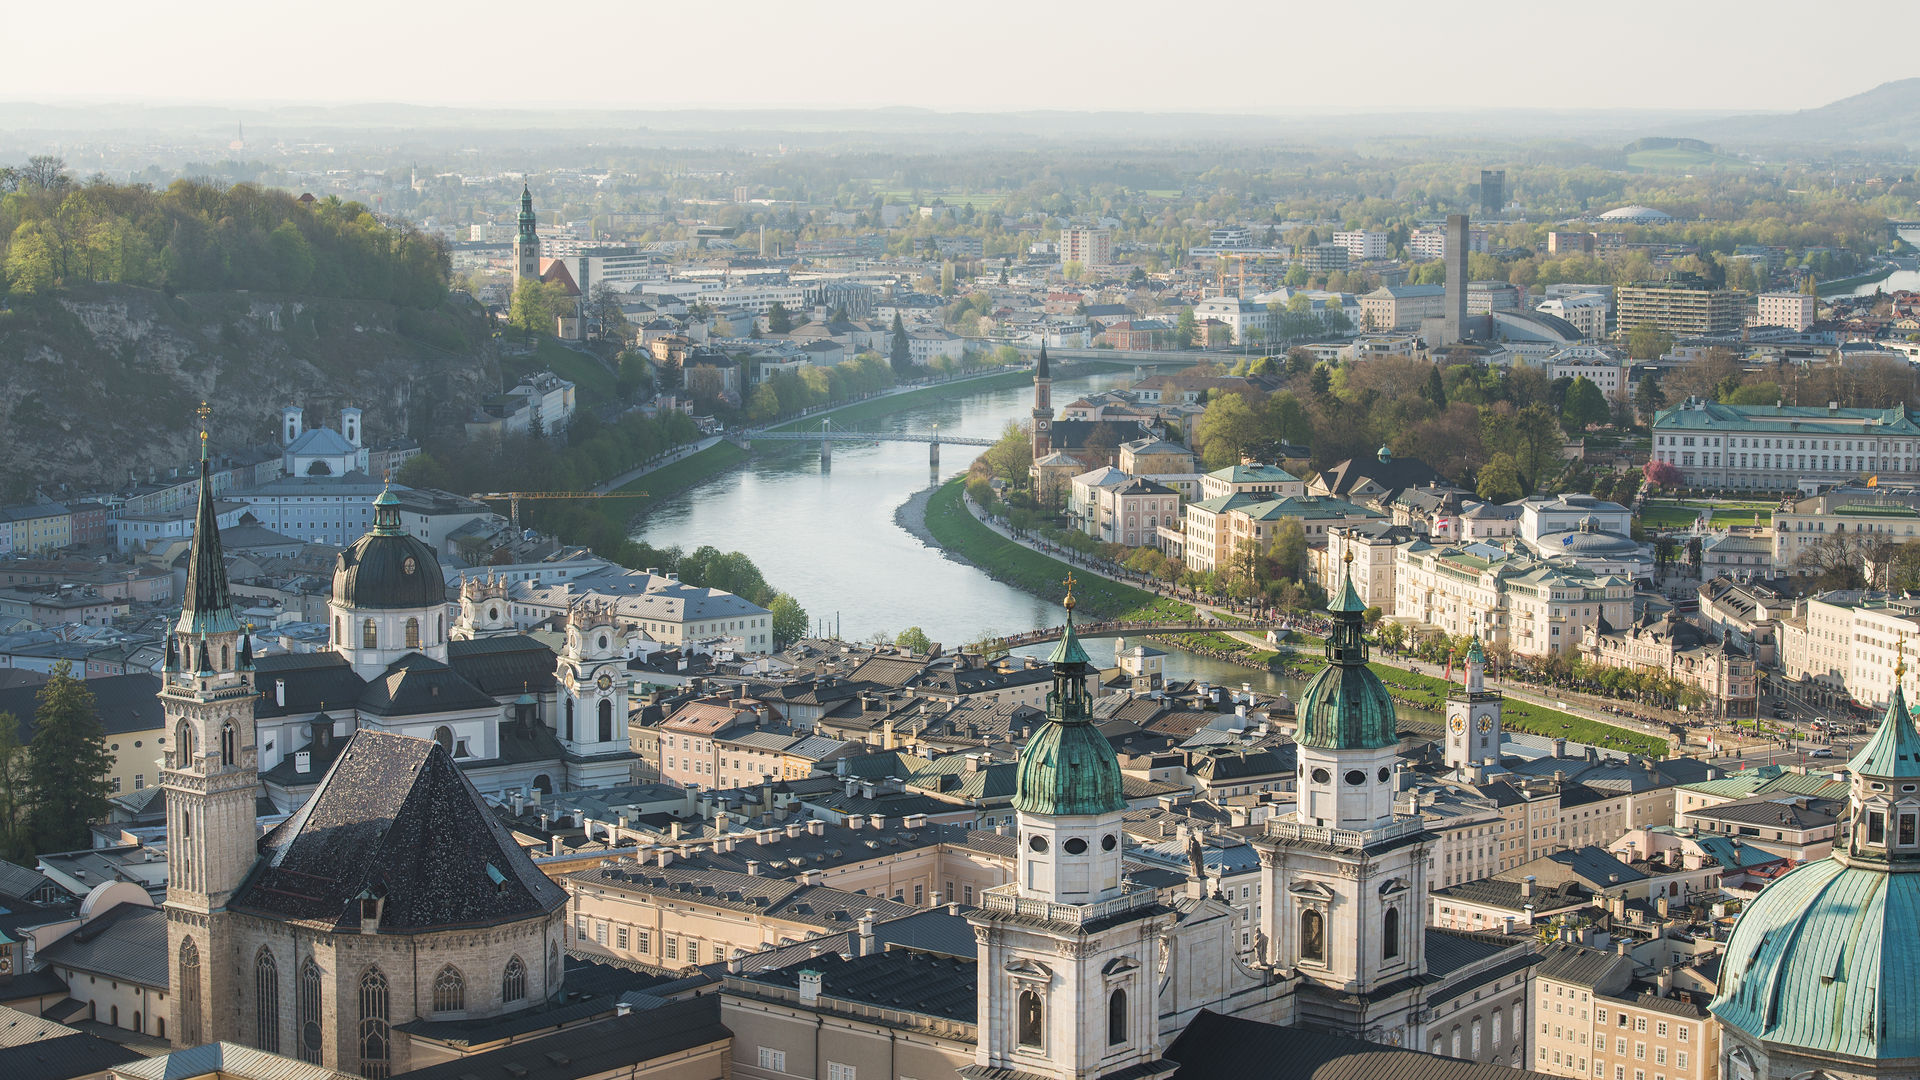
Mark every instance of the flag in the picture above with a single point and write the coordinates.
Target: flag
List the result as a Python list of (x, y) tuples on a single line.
[(1873, 481)]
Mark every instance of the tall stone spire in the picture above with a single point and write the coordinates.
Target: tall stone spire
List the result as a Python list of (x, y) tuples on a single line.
[(1042, 406), (208, 608)]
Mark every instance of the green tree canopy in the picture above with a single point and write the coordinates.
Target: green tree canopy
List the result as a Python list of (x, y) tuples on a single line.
[(913, 639), (1499, 480), (69, 763), (1584, 405), (790, 622)]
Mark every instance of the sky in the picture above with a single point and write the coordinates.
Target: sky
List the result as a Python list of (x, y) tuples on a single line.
[(1258, 56)]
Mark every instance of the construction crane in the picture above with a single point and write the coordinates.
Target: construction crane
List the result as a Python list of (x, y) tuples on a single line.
[(513, 499)]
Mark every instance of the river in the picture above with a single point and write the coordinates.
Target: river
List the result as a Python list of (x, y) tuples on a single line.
[(828, 535), (1899, 279)]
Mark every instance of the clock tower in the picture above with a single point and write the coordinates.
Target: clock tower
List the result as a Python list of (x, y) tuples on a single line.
[(1042, 406), (1473, 718), (596, 692)]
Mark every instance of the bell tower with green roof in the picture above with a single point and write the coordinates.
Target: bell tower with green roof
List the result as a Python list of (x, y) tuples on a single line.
[(526, 243)]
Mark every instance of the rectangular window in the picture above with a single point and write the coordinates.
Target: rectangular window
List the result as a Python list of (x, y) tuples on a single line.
[(139, 781), (1680, 1059), (1659, 1055), (620, 938), (600, 933), (673, 947), (1683, 1032), (773, 1059), (1660, 1029), (1640, 1024), (837, 1071), (1640, 1051), (643, 941)]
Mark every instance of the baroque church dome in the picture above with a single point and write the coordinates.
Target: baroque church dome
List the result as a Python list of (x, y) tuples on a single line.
[(1346, 706), (1824, 960), (1068, 768), (388, 568)]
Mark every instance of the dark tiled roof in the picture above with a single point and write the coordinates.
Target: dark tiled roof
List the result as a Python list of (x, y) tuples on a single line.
[(396, 818), (416, 684), (504, 666), (315, 681), (1450, 950), (1215, 1046), (600, 1048), (901, 979), (129, 943), (126, 703), (36, 1049), (1582, 966)]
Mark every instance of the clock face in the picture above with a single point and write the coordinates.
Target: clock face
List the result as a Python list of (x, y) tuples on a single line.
[(605, 681), (1459, 724), (1486, 724)]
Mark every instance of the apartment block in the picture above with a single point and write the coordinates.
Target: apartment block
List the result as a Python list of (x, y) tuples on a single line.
[(1679, 307)]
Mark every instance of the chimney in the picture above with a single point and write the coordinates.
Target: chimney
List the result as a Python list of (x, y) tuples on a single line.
[(809, 987), (553, 845), (280, 692), (868, 945), (793, 829), (622, 1008), (666, 859), (1526, 887), (1559, 747), (302, 762), (753, 867), (1665, 981), (816, 827), (1623, 946)]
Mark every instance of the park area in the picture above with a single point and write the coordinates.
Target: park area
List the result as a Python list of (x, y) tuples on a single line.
[(1658, 514)]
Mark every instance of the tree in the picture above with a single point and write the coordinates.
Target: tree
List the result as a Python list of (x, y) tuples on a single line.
[(914, 640), (1663, 474), (1648, 397), (14, 790), (1499, 480), (68, 764), (1184, 329), (1289, 549), (603, 308), (778, 321), (536, 304), (789, 620), (1226, 429), (1648, 342), (902, 353), (1584, 406)]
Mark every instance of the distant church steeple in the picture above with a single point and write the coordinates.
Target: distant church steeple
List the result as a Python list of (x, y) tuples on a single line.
[(1042, 406), (526, 245)]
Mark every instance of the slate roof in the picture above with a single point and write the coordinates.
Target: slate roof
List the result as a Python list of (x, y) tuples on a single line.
[(128, 942), (32, 1048), (902, 979), (395, 817), (1775, 812), (416, 684), (504, 665), (315, 681), (1214, 1046), (600, 1048), (126, 703), (817, 905)]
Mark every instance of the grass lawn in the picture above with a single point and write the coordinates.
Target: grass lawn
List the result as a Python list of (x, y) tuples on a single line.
[(672, 479), (1680, 513), (593, 382), (1528, 717), (959, 532)]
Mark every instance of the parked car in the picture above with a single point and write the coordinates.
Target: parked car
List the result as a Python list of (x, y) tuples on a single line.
[(1821, 751)]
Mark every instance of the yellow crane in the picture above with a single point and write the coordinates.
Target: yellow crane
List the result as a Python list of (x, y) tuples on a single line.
[(513, 498)]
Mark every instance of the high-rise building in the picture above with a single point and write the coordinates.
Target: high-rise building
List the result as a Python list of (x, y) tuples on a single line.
[(1362, 244), (1493, 190), (1086, 246), (1456, 310), (1792, 310), (1685, 305)]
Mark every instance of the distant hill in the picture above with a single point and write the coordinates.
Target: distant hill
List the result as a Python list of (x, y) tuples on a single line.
[(100, 381), (1888, 113)]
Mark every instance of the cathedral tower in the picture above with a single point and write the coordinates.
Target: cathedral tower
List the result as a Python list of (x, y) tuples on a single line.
[(1070, 951), (596, 694), (1345, 881), (1473, 718), (1042, 407), (526, 244), (211, 780)]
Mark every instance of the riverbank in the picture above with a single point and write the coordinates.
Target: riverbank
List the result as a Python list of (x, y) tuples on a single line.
[(1847, 284), (953, 529)]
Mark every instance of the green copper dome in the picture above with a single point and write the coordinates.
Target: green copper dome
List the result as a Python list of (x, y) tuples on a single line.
[(1346, 706), (1068, 768)]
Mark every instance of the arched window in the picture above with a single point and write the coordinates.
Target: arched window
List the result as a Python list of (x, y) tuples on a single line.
[(1475, 1037), (1496, 1029), (307, 1004), (1031, 1019), (569, 719), (543, 784), (1455, 1050), (554, 971), (226, 657), (376, 1037), (449, 990), (1117, 1017), (440, 627), (136, 1023), (513, 985), (183, 746), (113, 1016), (606, 720), (339, 636), (266, 1002), (189, 991), (444, 736), (369, 635), (227, 750), (413, 633), (1390, 933), (1313, 935)]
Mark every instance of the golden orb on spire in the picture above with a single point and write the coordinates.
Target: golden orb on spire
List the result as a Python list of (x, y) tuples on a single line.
[(1900, 659)]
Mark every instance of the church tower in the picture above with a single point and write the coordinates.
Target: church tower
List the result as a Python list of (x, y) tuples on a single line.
[(1069, 953), (1042, 407), (211, 780), (1473, 718), (526, 245), (596, 694), (1344, 882)]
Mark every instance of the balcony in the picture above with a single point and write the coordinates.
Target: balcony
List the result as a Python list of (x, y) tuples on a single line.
[(1006, 900), (1343, 838)]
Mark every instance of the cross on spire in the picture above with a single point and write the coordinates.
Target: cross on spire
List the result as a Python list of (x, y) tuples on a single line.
[(1069, 602), (203, 412)]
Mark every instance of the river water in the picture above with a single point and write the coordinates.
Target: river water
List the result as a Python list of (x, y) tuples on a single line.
[(827, 535), (1899, 279)]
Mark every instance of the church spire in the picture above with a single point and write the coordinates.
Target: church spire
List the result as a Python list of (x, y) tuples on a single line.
[(527, 220), (208, 608), (1040, 366)]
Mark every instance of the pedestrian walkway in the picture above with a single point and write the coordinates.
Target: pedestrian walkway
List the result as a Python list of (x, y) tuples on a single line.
[(680, 454)]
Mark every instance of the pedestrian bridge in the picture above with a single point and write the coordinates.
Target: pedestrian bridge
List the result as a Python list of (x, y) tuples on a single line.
[(1117, 628), (831, 432)]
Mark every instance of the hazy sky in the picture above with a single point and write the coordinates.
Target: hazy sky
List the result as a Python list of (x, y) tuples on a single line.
[(1225, 55)]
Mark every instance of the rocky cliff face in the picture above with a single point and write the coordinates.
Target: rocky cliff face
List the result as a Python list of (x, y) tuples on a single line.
[(101, 383)]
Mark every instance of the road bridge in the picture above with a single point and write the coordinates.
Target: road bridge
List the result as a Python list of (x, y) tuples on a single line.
[(830, 433)]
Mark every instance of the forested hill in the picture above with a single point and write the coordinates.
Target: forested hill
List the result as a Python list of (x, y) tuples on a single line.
[(125, 307)]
